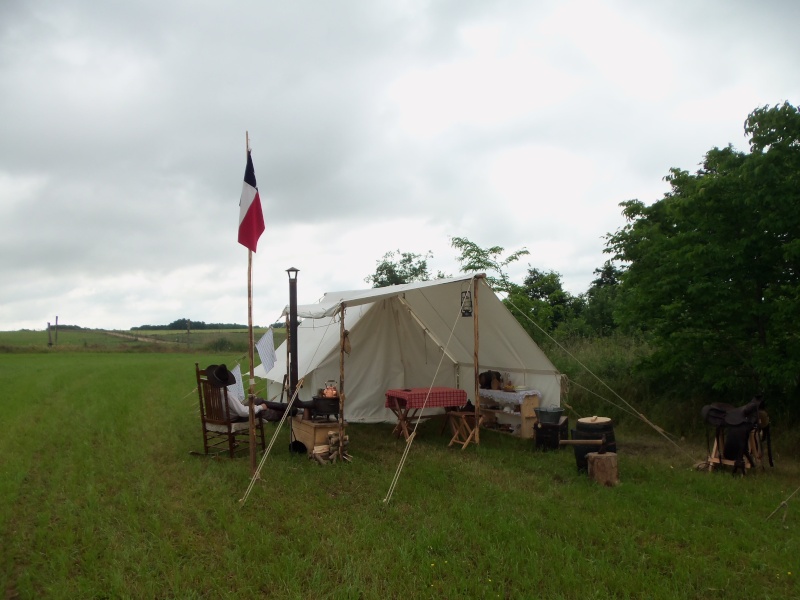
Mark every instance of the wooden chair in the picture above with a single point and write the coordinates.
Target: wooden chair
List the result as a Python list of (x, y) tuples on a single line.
[(220, 428)]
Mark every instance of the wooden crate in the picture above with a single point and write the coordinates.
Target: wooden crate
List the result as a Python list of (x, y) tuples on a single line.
[(313, 433)]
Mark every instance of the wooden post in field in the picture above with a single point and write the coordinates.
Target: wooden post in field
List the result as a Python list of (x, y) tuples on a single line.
[(56, 342), (49, 335)]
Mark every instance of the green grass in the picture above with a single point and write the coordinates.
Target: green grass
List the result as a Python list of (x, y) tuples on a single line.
[(99, 498)]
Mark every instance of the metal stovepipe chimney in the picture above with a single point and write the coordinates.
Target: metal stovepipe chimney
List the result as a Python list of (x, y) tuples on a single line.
[(292, 330)]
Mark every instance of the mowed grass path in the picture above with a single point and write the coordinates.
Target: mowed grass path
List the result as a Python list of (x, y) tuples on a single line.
[(99, 498)]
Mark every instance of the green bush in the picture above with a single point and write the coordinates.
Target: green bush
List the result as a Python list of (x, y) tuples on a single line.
[(224, 344)]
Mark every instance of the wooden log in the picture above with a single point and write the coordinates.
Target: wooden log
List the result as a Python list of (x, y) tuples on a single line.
[(580, 442), (321, 449), (603, 468)]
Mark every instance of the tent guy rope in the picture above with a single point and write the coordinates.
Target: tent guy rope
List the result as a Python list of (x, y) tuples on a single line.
[(257, 473), (784, 505), (410, 439), (286, 412), (635, 412)]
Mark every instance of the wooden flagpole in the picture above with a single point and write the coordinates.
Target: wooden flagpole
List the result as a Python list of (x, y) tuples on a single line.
[(251, 377)]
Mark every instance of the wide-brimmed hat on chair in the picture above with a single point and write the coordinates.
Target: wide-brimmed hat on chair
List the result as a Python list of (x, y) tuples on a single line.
[(219, 376)]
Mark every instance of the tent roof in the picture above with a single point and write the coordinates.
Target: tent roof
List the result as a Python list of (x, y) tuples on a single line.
[(505, 344), (331, 301)]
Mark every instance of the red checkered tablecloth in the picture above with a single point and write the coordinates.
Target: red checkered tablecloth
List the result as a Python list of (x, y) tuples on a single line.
[(415, 397)]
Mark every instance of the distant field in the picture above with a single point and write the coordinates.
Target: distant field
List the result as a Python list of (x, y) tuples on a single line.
[(155, 340)]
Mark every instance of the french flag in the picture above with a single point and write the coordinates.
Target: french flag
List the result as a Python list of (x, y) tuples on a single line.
[(251, 219)]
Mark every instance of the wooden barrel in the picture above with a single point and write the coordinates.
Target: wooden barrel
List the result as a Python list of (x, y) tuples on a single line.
[(592, 428)]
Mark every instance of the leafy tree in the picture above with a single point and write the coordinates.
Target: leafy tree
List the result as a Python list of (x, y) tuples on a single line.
[(547, 303), (713, 268), (601, 298), (475, 259), (401, 267)]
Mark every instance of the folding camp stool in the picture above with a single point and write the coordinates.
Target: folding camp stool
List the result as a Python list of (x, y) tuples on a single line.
[(464, 427)]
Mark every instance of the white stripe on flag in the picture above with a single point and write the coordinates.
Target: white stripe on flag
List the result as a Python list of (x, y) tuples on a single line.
[(251, 217), (266, 350), (249, 194)]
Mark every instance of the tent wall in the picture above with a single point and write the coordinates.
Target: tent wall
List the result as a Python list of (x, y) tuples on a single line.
[(416, 338)]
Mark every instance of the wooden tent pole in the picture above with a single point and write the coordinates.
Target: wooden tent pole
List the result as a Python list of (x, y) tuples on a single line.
[(251, 377), (341, 378), (287, 378), (475, 359)]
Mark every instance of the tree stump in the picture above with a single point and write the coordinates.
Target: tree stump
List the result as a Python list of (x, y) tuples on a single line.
[(603, 468)]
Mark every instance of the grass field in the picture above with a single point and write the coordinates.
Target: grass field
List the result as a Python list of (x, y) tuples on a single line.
[(99, 498)]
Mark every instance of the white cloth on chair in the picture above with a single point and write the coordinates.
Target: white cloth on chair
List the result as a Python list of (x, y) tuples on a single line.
[(237, 399)]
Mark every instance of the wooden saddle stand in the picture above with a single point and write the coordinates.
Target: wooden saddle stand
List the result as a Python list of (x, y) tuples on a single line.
[(740, 433)]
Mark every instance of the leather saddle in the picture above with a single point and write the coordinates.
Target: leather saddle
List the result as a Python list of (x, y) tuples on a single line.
[(720, 414)]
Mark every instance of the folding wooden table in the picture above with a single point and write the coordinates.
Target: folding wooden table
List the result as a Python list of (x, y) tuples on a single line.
[(408, 402)]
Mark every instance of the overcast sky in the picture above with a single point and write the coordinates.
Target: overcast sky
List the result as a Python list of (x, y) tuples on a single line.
[(374, 126)]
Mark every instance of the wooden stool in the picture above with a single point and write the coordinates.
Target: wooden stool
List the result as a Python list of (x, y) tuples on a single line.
[(603, 468), (464, 427), (404, 417)]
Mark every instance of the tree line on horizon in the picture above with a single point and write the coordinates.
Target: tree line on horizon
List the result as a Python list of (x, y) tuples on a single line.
[(189, 325)]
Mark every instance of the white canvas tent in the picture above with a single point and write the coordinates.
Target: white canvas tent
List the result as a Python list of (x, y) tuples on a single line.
[(410, 335)]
